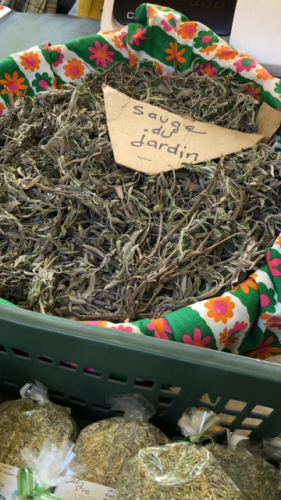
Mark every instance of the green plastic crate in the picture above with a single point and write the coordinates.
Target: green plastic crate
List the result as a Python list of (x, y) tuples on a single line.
[(34, 346)]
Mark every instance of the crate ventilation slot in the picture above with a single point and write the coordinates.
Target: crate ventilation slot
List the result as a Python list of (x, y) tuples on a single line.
[(237, 414), (235, 405), (117, 378), (252, 423), (92, 371), (101, 409), (10, 382), (227, 420), (167, 389), (21, 354), (262, 410), (165, 401), (77, 401), (145, 384), (56, 394), (44, 359), (68, 365)]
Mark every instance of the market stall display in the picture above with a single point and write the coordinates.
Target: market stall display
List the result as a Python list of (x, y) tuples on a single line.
[(223, 210)]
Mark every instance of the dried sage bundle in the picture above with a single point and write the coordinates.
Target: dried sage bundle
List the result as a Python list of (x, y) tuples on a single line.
[(255, 478), (85, 238), (105, 446), (28, 422), (175, 472)]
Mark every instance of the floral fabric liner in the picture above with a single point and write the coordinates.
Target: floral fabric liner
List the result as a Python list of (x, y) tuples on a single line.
[(4, 10), (247, 319)]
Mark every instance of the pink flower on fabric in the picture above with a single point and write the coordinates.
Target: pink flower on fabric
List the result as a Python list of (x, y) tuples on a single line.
[(46, 45), (238, 327), (273, 263), (197, 339), (160, 328), (121, 38), (169, 25), (138, 36), (207, 69), (245, 63), (273, 323), (100, 54), (123, 328), (57, 57)]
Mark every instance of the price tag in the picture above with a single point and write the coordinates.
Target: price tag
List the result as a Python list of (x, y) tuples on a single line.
[(76, 489), (8, 482)]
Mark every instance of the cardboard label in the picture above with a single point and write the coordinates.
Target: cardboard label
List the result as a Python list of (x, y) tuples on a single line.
[(8, 482), (268, 121), (76, 489), (73, 489), (151, 140)]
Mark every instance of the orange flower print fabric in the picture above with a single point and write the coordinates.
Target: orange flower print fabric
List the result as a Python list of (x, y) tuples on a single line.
[(187, 30), (266, 348), (74, 69), (30, 61), (13, 84), (220, 309), (175, 54)]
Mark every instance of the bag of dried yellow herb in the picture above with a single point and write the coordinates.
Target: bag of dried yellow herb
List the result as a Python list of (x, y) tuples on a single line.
[(175, 471), (29, 421), (105, 446), (255, 477)]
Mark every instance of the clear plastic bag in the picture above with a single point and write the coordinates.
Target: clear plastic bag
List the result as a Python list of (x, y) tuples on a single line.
[(46, 470), (175, 471), (271, 448), (105, 446), (197, 423), (255, 478), (28, 422)]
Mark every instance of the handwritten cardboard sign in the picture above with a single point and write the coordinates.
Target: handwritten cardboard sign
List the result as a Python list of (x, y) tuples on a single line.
[(8, 482), (76, 489), (151, 140), (71, 489)]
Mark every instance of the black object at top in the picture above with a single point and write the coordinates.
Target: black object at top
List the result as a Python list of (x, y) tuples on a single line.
[(216, 14)]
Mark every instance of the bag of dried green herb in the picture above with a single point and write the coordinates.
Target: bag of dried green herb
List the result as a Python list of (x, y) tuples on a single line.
[(105, 446), (28, 422), (175, 471), (255, 478)]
